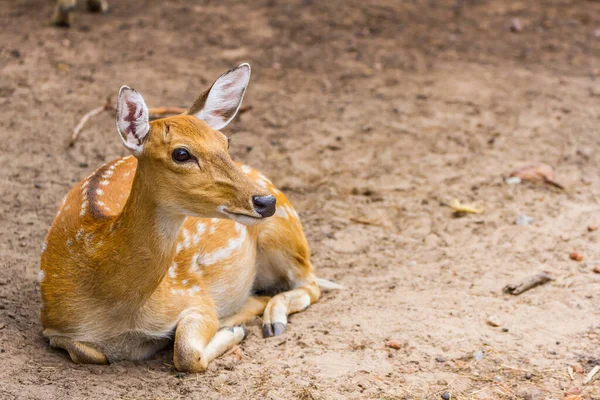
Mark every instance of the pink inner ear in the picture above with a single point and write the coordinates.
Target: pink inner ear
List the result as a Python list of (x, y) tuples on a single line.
[(230, 97), (132, 118)]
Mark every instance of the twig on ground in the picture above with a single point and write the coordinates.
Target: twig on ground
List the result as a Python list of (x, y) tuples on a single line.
[(107, 106), (365, 221), (528, 283), (591, 375)]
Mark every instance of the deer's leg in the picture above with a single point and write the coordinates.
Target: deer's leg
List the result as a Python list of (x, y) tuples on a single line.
[(198, 341), (80, 353), (254, 307), (286, 303), (62, 12), (99, 6)]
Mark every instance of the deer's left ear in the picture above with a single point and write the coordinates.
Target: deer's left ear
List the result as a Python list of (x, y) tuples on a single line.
[(219, 104), (132, 119)]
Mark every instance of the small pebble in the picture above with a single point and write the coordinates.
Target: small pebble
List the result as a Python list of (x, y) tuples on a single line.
[(596, 270), (523, 220), (180, 375), (2, 325), (440, 359), (576, 256), (37, 186), (494, 321), (412, 264), (515, 25), (504, 329), (446, 396), (478, 355), (512, 180), (394, 344), (592, 228)]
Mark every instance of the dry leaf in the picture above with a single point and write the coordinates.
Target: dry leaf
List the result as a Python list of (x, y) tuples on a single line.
[(459, 207), (540, 173)]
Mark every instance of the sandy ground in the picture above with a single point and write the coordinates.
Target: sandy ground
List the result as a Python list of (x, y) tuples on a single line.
[(371, 118)]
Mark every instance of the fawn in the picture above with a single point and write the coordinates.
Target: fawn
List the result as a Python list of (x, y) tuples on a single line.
[(173, 242)]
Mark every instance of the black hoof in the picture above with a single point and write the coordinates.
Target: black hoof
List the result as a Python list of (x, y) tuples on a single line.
[(246, 332), (267, 331), (278, 328)]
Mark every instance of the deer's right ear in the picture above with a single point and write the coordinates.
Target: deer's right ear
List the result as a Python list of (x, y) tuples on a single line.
[(133, 124)]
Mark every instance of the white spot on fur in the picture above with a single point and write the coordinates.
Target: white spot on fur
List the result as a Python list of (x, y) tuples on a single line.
[(70, 242), (99, 192), (41, 276), (44, 246), (172, 269), (126, 174), (184, 282), (193, 290), (200, 228), (80, 233), (281, 212), (246, 169), (264, 178), (261, 183), (234, 244), (178, 248), (213, 228), (186, 238)]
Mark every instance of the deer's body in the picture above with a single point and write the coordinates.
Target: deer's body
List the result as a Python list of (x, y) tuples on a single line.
[(142, 252)]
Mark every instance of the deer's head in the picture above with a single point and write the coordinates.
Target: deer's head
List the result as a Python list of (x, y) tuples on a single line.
[(184, 159)]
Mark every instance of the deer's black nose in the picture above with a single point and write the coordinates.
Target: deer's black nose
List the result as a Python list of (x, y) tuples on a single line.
[(264, 205)]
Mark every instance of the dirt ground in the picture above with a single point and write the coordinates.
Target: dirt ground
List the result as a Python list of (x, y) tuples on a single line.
[(371, 116)]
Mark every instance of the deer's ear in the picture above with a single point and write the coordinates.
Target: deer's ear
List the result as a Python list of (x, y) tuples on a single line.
[(219, 104), (133, 124)]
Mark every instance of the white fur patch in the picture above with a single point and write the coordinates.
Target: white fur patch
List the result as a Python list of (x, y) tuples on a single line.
[(186, 238), (261, 183), (172, 269), (234, 244), (246, 169), (41, 276), (99, 192), (200, 228), (44, 246), (281, 212)]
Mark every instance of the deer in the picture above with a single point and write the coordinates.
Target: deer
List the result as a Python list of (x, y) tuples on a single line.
[(63, 10), (174, 243)]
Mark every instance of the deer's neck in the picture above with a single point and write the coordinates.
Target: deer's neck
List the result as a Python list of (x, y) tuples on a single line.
[(145, 242)]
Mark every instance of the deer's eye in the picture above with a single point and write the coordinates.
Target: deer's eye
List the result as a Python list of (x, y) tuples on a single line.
[(181, 155)]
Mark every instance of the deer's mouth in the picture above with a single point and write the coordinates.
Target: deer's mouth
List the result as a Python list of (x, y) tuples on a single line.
[(242, 218)]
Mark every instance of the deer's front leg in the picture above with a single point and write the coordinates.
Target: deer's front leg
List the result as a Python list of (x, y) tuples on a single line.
[(254, 307), (198, 341), (286, 303)]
